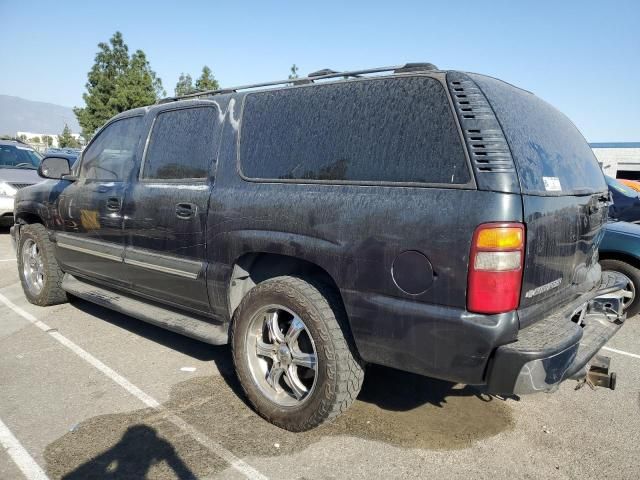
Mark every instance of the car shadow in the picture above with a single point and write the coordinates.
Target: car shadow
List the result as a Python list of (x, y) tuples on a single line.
[(387, 388), (396, 408)]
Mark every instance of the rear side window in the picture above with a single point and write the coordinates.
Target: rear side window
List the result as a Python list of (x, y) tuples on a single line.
[(381, 130), (111, 155), (550, 154), (182, 144)]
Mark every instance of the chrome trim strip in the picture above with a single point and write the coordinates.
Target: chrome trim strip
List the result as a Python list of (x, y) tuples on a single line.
[(89, 252), (160, 268)]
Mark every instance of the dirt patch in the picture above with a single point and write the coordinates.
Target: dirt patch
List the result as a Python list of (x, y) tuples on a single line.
[(399, 409)]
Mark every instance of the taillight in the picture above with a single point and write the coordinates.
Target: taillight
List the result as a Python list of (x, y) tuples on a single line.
[(495, 268)]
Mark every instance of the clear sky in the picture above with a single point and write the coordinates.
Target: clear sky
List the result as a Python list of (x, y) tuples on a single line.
[(581, 56)]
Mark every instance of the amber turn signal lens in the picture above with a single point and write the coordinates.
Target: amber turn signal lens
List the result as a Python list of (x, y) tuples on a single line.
[(500, 238)]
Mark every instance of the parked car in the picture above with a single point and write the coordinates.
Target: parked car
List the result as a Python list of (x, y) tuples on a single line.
[(626, 201), (437, 222), (18, 169), (620, 252), (633, 184)]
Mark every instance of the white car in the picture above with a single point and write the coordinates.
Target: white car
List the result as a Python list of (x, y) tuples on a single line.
[(18, 169)]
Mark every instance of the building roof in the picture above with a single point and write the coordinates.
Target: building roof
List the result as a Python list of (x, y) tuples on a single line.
[(615, 145)]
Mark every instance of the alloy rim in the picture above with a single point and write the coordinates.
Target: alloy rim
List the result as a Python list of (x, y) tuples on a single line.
[(282, 356), (32, 266), (629, 291)]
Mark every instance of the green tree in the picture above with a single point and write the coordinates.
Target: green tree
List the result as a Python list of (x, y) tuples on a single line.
[(184, 85), (115, 83), (66, 140), (22, 137), (47, 140), (35, 139), (294, 72), (207, 81)]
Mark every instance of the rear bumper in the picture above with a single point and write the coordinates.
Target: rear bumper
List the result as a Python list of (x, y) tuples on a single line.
[(560, 346)]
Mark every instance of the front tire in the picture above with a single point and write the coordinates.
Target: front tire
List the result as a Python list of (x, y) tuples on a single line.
[(632, 290), (293, 353), (40, 274)]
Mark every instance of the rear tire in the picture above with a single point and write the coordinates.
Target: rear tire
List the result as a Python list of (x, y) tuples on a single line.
[(632, 307), (302, 394), (40, 274)]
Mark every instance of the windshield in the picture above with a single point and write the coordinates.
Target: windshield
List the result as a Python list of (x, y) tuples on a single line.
[(12, 156), (621, 187)]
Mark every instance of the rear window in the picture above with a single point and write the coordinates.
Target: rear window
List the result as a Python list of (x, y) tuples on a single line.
[(551, 155), (382, 130)]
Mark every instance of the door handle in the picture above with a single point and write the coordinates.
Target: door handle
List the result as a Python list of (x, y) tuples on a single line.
[(113, 204), (186, 210)]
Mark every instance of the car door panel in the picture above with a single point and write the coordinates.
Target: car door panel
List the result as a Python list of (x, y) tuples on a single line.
[(91, 241), (165, 219)]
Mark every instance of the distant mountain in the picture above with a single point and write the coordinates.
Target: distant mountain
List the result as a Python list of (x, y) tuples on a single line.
[(19, 114)]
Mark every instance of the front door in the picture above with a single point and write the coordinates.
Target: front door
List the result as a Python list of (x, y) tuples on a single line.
[(166, 208), (90, 242)]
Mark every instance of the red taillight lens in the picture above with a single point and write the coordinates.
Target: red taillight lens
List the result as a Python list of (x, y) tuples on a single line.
[(495, 268)]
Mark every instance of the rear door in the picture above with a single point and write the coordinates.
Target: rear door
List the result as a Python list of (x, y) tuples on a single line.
[(564, 194), (91, 243), (166, 208)]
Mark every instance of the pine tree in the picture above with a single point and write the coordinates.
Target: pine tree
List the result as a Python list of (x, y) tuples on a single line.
[(294, 72), (66, 140), (206, 81), (116, 83), (184, 85)]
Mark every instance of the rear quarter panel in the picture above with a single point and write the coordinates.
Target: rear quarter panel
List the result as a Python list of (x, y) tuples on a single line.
[(355, 233)]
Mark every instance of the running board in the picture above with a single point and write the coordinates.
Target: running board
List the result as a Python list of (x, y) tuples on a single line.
[(180, 322)]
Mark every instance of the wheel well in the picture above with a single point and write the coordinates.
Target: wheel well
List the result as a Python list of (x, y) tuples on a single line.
[(254, 268), (26, 217), (623, 257)]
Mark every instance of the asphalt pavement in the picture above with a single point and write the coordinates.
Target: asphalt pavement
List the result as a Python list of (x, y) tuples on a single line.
[(89, 393)]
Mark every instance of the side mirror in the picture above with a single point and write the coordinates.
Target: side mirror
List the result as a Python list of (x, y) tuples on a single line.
[(54, 167)]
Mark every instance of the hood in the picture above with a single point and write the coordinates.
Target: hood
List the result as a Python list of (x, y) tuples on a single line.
[(624, 228), (19, 175)]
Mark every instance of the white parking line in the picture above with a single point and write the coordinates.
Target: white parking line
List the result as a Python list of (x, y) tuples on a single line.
[(621, 352), (7, 260), (27, 465), (148, 400)]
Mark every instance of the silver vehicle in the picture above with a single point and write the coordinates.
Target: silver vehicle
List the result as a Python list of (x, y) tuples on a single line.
[(18, 169)]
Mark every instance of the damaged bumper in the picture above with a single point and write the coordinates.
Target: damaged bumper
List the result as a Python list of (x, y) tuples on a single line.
[(560, 346)]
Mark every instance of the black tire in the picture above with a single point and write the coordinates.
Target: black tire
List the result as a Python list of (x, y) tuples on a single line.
[(633, 274), (339, 373), (52, 292)]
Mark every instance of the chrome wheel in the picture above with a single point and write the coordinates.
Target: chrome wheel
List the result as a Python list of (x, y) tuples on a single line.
[(628, 292), (32, 266), (281, 355)]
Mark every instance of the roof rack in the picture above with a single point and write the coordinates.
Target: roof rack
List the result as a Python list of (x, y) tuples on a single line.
[(325, 73)]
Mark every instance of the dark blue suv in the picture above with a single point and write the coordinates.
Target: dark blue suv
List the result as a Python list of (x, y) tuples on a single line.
[(439, 222)]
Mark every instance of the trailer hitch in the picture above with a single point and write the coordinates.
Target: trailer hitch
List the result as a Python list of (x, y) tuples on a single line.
[(596, 374)]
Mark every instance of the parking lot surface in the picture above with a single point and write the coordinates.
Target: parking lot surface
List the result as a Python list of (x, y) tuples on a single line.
[(88, 393)]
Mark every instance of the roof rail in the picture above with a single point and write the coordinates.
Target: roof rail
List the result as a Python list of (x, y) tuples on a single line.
[(312, 77)]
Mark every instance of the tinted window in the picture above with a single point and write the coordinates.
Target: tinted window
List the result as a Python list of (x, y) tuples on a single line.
[(182, 144), (111, 156), (550, 154), (18, 157), (391, 130)]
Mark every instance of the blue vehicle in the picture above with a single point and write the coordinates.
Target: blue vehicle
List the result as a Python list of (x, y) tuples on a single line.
[(626, 201), (620, 252)]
